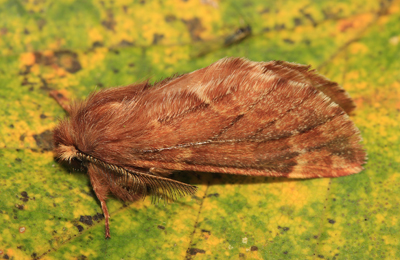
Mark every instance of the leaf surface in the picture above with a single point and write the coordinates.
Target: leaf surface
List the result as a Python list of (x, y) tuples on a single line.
[(47, 212)]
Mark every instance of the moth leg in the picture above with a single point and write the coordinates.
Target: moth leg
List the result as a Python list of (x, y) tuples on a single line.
[(106, 216), (61, 100), (160, 172), (101, 191)]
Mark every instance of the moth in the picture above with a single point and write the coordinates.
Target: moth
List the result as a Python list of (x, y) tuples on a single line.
[(235, 116)]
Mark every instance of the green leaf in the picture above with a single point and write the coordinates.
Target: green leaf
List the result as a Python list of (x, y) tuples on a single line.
[(79, 46)]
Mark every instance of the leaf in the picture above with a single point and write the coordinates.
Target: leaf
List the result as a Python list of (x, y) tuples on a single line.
[(78, 46)]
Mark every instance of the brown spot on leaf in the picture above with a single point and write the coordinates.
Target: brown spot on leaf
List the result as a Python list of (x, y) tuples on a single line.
[(297, 21), (68, 60), (20, 207), (213, 195), (309, 17), (239, 35), (44, 140), (3, 31), (194, 251), (157, 38), (86, 220), (80, 228), (98, 216), (125, 43), (45, 60), (110, 22), (289, 41), (206, 231), (253, 248), (331, 221), (170, 18), (195, 28), (41, 23), (25, 196), (97, 44), (279, 27), (284, 229), (161, 227)]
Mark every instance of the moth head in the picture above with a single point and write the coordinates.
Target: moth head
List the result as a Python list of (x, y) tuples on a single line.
[(68, 153), (65, 150)]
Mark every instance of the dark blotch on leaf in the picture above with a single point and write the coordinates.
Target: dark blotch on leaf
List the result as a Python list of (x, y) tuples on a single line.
[(25, 196), (194, 251), (297, 21), (44, 140), (98, 216), (253, 248), (110, 22), (331, 221), (284, 228), (125, 43), (170, 18), (288, 41), (206, 231), (213, 195), (161, 227), (195, 28), (86, 220), (80, 228), (97, 44), (68, 60), (157, 38)]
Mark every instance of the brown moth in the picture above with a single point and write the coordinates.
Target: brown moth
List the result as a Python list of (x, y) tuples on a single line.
[(235, 116)]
